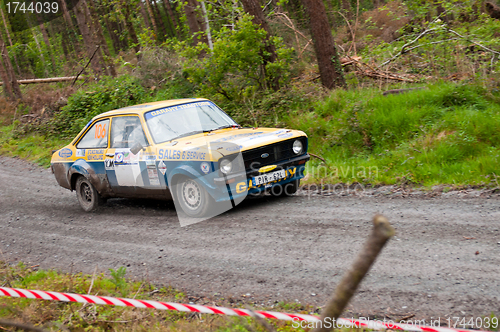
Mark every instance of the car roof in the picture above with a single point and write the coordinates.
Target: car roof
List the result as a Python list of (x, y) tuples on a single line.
[(143, 108)]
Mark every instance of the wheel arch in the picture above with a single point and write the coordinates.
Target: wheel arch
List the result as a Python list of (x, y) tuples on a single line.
[(99, 181), (189, 172)]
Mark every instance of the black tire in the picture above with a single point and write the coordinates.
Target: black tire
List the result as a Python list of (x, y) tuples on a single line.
[(192, 197), (288, 189), (87, 195)]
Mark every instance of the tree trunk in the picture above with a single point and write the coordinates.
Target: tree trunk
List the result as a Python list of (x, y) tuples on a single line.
[(152, 17), (111, 31), (207, 25), (10, 74), (73, 32), (329, 65), (193, 23), (130, 27), (83, 21), (7, 88), (46, 40), (118, 26), (168, 9), (252, 7), (42, 57), (145, 15), (10, 40), (99, 35), (159, 19)]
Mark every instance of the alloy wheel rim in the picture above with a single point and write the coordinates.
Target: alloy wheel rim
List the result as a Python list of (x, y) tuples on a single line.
[(86, 192), (191, 194)]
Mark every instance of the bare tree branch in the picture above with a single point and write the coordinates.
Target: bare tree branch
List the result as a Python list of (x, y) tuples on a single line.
[(22, 326), (473, 42), (382, 231), (403, 49)]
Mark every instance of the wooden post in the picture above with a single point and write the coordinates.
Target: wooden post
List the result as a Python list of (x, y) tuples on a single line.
[(382, 231)]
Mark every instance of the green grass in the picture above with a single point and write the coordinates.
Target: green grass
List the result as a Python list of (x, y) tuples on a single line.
[(445, 134), (34, 147), (55, 316)]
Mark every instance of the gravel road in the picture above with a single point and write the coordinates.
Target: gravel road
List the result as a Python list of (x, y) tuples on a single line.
[(444, 261)]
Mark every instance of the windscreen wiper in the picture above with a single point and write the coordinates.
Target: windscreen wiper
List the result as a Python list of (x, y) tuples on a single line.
[(226, 126), (188, 134)]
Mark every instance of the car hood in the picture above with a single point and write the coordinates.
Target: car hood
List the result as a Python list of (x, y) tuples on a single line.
[(228, 141)]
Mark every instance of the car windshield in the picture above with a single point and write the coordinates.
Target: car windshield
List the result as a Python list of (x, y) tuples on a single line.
[(173, 122)]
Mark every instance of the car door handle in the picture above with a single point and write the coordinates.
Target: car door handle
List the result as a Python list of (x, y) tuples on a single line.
[(110, 155)]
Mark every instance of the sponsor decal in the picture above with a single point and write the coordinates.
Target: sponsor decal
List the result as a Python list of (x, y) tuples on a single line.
[(152, 171), (65, 153), (153, 177), (97, 154), (179, 154), (176, 108), (109, 164), (205, 167), (267, 168), (126, 158), (224, 139), (80, 153), (162, 167), (119, 156), (285, 135), (241, 187), (234, 148)]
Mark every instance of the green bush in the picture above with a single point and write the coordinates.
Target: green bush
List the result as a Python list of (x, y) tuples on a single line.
[(236, 67), (108, 94)]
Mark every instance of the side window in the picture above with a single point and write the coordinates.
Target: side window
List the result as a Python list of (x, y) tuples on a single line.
[(127, 131), (96, 136)]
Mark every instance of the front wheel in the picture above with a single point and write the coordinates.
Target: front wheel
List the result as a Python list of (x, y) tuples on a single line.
[(192, 197), (87, 195)]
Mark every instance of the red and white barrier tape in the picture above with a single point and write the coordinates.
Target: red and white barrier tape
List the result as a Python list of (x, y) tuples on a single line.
[(69, 297)]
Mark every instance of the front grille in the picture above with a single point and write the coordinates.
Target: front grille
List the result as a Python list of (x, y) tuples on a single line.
[(281, 151)]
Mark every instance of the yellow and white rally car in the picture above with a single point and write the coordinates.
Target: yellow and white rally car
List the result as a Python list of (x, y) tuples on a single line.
[(186, 149)]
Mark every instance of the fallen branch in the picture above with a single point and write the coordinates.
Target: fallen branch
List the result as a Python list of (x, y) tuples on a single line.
[(316, 156), (25, 327), (46, 80), (349, 26), (403, 49), (367, 70)]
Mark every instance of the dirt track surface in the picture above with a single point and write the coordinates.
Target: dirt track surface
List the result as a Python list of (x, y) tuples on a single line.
[(444, 261)]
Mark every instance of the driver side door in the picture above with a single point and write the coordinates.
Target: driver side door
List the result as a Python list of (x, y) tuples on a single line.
[(131, 174)]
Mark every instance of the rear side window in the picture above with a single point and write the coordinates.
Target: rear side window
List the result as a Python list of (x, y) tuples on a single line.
[(96, 136)]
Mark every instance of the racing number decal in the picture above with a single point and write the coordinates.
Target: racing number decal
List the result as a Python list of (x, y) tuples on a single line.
[(100, 130)]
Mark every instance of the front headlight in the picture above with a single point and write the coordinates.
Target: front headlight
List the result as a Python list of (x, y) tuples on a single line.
[(297, 147), (225, 166)]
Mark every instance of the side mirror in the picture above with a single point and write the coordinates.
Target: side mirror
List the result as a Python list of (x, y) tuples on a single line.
[(136, 148)]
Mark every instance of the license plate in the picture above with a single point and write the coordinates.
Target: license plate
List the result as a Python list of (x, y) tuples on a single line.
[(269, 177)]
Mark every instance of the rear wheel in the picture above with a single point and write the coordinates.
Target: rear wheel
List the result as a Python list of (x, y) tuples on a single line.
[(192, 197), (87, 195)]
